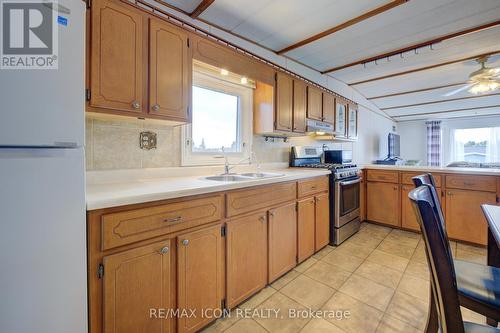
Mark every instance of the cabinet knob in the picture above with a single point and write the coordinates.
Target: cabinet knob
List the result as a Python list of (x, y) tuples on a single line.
[(185, 242), (173, 219), (156, 107), (449, 193), (271, 214), (262, 219), (164, 250), (136, 105)]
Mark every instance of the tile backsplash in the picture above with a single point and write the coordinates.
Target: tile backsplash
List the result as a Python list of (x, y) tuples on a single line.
[(114, 144)]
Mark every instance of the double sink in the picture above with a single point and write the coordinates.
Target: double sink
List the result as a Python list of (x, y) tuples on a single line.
[(238, 177)]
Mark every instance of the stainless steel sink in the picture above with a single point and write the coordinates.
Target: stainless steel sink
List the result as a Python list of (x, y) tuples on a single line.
[(228, 178), (262, 174), (244, 176)]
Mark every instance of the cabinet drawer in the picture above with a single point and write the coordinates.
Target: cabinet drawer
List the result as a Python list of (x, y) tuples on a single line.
[(312, 186), (135, 225), (406, 178), (382, 176), (469, 182), (244, 201)]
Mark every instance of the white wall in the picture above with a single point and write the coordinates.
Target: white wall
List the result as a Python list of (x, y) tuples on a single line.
[(373, 129), (413, 140)]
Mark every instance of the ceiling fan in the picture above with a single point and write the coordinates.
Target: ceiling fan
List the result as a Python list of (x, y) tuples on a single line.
[(481, 81)]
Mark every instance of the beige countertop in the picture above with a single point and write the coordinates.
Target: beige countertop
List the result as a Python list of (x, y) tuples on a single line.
[(469, 171), (113, 191)]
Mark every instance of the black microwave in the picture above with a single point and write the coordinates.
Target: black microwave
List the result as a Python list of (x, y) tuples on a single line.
[(338, 156)]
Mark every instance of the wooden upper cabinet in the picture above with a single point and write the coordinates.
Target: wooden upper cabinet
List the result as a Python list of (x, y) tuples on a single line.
[(322, 221), (305, 228), (383, 203), (464, 217), (246, 257), (340, 117), (352, 121), (282, 240), (170, 71), (199, 276), (314, 103), (135, 281), (118, 57), (328, 108), (299, 106), (284, 102)]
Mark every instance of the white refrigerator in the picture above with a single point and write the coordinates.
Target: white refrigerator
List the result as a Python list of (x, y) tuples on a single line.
[(43, 283)]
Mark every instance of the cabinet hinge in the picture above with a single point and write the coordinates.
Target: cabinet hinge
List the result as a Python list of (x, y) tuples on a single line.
[(223, 304), (100, 271), (87, 94), (296, 206), (275, 76), (223, 231), (498, 199), (188, 42)]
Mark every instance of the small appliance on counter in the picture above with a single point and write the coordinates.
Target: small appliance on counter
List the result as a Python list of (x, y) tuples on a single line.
[(345, 182)]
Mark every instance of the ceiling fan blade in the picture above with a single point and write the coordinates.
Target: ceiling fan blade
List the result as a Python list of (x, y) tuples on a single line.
[(456, 91)]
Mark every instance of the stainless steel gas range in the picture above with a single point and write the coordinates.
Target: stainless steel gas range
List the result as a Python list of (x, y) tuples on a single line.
[(345, 185)]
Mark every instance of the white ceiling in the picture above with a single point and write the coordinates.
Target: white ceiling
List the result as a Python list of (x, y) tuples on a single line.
[(276, 24)]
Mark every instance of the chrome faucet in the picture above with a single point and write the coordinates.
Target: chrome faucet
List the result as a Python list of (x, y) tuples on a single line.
[(227, 166)]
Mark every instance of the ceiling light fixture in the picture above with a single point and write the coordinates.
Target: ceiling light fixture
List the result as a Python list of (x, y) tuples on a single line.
[(244, 80), (224, 72), (484, 86)]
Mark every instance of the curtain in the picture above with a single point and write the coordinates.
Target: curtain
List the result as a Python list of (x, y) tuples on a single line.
[(434, 143), (493, 146)]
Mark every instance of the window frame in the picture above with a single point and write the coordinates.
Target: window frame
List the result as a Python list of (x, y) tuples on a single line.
[(245, 105)]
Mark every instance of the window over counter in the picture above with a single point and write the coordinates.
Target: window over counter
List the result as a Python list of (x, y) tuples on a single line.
[(221, 119), (475, 146)]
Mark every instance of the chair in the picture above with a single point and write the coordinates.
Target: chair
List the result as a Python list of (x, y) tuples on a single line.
[(478, 285), (441, 266)]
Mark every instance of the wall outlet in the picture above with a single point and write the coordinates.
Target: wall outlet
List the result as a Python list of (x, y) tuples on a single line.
[(147, 140)]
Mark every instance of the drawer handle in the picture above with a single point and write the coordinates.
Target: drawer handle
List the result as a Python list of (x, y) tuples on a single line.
[(164, 250), (173, 219), (262, 219), (313, 187), (185, 242), (469, 184)]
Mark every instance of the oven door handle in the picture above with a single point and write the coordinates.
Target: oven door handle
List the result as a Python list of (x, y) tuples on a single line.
[(350, 182)]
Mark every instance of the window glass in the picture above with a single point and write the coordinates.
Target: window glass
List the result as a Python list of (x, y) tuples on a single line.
[(476, 145)]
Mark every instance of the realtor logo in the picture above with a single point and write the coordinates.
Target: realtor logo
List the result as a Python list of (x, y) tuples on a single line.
[(29, 34)]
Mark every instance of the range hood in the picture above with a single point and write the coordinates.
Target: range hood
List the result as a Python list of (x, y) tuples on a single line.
[(319, 127)]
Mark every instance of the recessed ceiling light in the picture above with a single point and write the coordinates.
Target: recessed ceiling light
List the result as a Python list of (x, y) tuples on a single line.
[(224, 72), (244, 80)]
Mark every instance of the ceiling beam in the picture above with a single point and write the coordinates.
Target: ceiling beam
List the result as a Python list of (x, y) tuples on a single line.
[(201, 8), (425, 68), (447, 111), (417, 90), (344, 25), (416, 46), (437, 102)]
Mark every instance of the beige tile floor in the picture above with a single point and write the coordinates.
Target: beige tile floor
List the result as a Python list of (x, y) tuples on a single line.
[(379, 275)]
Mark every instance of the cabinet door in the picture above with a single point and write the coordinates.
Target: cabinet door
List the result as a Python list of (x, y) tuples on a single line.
[(383, 203), (314, 103), (135, 282), (340, 117), (322, 221), (299, 106), (117, 60), (464, 217), (408, 217), (246, 257), (170, 71), (305, 229), (352, 121), (284, 102), (328, 108), (199, 275), (282, 240)]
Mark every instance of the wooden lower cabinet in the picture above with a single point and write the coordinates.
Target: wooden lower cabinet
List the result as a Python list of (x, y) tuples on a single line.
[(322, 232), (464, 217), (305, 228), (136, 281), (383, 203), (199, 276), (246, 257), (282, 240), (408, 217)]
